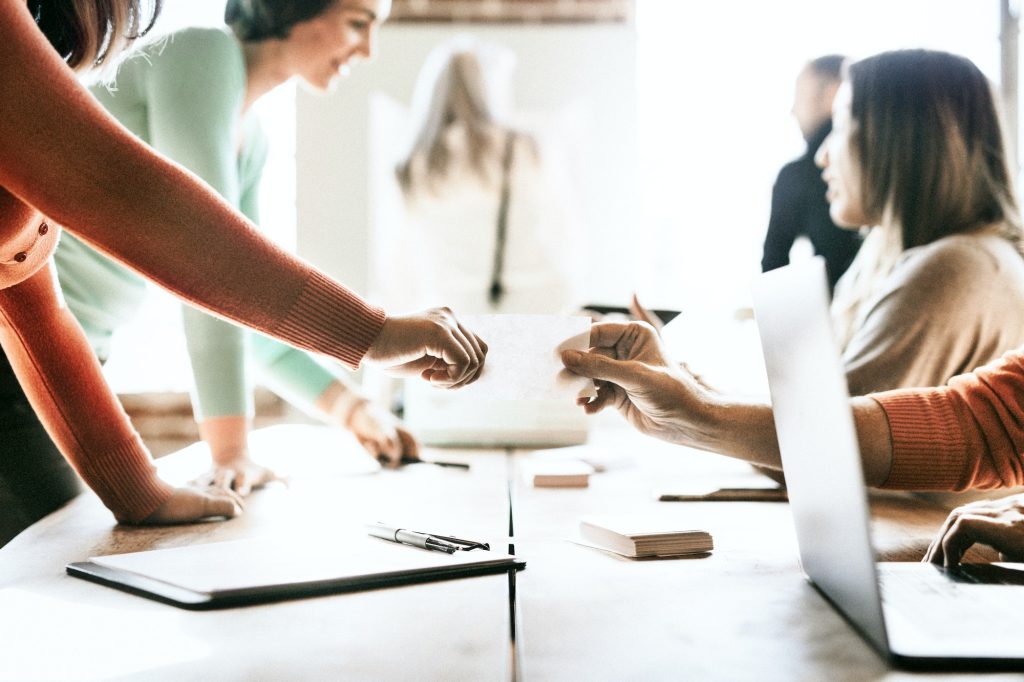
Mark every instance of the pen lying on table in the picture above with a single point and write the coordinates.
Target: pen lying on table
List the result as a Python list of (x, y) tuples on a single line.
[(450, 465), (439, 543)]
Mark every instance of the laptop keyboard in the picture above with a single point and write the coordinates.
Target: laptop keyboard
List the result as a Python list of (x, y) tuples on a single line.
[(964, 603)]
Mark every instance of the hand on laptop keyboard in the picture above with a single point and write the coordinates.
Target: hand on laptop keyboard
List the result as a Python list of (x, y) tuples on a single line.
[(996, 523)]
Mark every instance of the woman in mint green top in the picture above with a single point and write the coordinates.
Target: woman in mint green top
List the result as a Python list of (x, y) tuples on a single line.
[(190, 97)]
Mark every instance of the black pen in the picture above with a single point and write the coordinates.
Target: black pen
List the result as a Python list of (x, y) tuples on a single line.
[(450, 465), (410, 537)]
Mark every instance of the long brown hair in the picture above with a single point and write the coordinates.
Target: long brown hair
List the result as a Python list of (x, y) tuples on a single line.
[(89, 33), (930, 146)]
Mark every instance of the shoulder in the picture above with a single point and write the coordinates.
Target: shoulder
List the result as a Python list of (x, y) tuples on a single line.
[(798, 177), (203, 41), (963, 264), (197, 51), (963, 253)]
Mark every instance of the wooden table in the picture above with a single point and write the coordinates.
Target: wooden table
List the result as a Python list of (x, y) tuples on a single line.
[(743, 612), (56, 627)]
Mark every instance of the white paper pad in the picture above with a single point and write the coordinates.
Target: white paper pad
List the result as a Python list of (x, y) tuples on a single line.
[(524, 357)]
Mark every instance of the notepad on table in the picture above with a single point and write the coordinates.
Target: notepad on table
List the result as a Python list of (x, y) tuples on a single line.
[(639, 537), (240, 572), (542, 473)]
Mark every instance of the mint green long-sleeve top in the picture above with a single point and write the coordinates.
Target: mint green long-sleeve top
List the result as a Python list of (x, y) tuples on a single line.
[(183, 96)]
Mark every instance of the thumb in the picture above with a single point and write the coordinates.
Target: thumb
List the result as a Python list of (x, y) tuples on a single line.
[(597, 366)]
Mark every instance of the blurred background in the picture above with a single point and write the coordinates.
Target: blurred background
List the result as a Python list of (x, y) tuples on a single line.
[(671, 120)]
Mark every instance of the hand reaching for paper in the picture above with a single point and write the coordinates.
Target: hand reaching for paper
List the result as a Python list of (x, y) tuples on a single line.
[(432, 345), (635, 375)]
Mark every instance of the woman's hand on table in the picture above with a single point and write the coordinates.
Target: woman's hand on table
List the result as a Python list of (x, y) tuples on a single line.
[(996, 523), (433, 345), (383, 435), (239, 474), (190, 504)]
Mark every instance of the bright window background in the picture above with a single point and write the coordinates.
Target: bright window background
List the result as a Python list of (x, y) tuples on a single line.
[(149, 354), (715, 83)]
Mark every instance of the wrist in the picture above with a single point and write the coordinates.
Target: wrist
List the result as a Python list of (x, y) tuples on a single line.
[(227, 437), (340, 403)]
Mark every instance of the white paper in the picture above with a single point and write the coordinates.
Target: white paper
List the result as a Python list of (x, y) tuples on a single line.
[(524, 357)]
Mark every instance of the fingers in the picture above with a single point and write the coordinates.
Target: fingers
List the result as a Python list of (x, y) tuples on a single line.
[(597, 366), (643, 314), (221, 502), (613, 334), (410, 446)]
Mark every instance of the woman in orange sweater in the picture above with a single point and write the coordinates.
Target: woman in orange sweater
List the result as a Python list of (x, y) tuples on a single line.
[(65, 163), (967, 434)]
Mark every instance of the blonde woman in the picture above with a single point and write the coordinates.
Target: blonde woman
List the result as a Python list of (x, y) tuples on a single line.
[(487, 219), (66, 164)]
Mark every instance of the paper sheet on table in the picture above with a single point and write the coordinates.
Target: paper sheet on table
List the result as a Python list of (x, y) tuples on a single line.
[(524, 357)]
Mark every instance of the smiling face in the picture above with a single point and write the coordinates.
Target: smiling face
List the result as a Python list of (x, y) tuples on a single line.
[(841, 168), (323, 48)]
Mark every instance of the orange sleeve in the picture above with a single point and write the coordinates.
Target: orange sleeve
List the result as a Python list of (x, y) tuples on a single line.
[(967, 434), (62, 378), (61, 153)]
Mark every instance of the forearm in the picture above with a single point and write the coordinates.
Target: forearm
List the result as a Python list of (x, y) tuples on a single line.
[(64, 383), (60, 152), (746, 431), (217, 352), (227, 438), (338, 402)]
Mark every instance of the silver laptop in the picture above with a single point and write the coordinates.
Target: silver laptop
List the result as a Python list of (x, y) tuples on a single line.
[(916, 614)]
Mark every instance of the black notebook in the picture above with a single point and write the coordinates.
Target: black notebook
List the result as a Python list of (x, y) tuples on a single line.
[(243, 572)]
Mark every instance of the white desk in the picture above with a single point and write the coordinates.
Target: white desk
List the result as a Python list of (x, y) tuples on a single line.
[(744, 612)]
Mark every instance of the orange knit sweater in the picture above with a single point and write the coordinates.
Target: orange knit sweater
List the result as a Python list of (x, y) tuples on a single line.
[(967, 434), (65, 161)]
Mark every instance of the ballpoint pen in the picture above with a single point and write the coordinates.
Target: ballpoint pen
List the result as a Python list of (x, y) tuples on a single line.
[(410, 537), (451, 465)]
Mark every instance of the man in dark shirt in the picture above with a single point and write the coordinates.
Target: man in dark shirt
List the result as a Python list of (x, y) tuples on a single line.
[(799, 206)]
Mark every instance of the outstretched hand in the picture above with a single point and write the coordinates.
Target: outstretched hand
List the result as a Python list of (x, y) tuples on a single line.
[(188, 504), (635, 375), (432, 345), (996, 523)]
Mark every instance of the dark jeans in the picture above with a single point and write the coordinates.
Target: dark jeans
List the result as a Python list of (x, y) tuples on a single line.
[(35, 479)]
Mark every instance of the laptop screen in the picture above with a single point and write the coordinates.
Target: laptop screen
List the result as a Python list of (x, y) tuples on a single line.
[(818, 441)]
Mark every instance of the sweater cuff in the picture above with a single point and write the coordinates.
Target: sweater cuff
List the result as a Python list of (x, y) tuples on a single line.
[(928, 448), (125, 479), (330, 319)]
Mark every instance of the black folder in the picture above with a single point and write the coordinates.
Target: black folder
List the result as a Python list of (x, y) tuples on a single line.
[(246, 572)]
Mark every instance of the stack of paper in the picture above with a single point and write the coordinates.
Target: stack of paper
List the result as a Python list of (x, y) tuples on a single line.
[(643, 537), (570, 473)]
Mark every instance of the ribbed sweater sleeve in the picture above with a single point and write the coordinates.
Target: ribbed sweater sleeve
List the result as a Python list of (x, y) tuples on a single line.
[(967, 434), (64, 383), (62, 153)]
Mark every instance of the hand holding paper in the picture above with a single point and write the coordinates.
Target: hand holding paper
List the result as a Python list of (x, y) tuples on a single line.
[(524, 357)]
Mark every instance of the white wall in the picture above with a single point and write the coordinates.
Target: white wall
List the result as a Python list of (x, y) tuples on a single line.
[(558, 66)]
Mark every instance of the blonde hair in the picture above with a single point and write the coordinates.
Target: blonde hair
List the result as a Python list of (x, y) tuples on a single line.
[(929, 144), (456, 91), (90, 33)]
